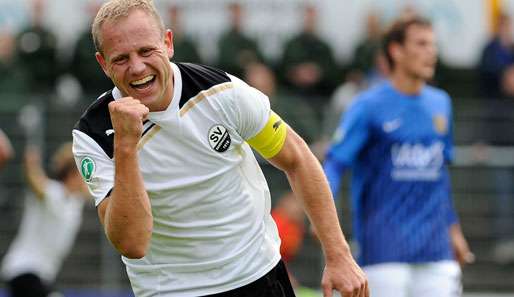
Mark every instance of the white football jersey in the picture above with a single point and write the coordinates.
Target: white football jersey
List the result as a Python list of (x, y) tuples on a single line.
[(46, 234), (212, 229)]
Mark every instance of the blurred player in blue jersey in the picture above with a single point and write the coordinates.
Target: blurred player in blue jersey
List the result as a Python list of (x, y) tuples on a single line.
[(397, 140)]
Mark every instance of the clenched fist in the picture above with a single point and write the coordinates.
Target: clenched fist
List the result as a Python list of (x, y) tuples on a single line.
[(127, 116)]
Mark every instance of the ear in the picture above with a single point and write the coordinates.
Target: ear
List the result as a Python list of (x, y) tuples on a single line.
[(396, 51), (101, 60), (168, 40)]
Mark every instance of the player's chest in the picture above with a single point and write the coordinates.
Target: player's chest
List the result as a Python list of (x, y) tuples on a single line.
[(413, 124), (197, 144)]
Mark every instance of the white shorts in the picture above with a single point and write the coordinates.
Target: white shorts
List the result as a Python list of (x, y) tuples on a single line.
[(441, 279)]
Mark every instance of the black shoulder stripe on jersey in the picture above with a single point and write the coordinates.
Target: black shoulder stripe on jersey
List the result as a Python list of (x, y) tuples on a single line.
[(96, 123), (148, 128), (197, 78)]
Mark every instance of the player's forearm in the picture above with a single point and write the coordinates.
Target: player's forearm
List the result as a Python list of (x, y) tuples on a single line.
[(36, 179), (310, 185), (128, 219)]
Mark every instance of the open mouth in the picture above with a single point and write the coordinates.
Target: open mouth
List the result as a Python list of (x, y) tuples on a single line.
[(143, 83)]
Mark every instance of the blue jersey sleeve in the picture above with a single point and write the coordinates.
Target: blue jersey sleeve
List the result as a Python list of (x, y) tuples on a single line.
[(451, 214), (348, 140), (448, 140)]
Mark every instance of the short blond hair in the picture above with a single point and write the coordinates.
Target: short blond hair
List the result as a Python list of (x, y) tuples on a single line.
[(115, 9)]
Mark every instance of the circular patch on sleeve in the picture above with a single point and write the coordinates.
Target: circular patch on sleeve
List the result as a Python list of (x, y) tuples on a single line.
[(219, 138), (87, 168)]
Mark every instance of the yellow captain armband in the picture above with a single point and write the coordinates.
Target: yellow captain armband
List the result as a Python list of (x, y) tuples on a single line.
[(270, 140)]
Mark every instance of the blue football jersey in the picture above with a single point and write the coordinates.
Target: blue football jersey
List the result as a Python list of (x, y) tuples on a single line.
[(397, 147)]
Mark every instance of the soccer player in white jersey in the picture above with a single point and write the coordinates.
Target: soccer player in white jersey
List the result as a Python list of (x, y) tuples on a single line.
[(397, 139), (167, 156), (51, 219)]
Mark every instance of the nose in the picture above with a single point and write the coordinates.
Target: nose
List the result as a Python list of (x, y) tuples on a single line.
[(137, 65)]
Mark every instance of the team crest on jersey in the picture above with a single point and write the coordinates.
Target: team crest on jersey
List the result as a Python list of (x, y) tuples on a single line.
[(440, 124), (219, 138), (87, 168)]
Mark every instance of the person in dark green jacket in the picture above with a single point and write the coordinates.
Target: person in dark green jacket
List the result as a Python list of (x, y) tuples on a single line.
[(235, 48), (308, 63), (83, 64), (12, 77), (36, 48), (185, 49)]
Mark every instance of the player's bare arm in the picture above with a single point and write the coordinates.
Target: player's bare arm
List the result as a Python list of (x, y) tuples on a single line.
[(460, 246), (126, 214), (310, 185), (34, 173)]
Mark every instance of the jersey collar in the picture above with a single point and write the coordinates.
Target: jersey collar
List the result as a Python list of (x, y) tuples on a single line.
[(157, 116)]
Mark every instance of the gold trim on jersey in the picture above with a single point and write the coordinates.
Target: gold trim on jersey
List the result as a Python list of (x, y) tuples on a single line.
[(270, 140), (193, 101), (149, 135)]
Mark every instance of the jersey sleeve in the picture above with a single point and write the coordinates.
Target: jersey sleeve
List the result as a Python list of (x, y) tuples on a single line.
[(349, 138), (448, 152), (263, 129), (95, 167), (451, 214), (448, 139), (251, 109)]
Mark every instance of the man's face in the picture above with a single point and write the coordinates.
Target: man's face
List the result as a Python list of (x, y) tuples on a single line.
[(417, 57), (136, 58)]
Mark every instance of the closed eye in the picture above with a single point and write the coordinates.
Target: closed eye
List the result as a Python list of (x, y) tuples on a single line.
[(145, 52), (119, 59)]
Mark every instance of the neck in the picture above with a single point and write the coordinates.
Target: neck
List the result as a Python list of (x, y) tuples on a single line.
[(407, 84), (167, 94)]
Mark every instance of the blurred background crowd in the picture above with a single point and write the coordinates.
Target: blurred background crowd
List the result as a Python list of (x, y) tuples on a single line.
[(311, 58)]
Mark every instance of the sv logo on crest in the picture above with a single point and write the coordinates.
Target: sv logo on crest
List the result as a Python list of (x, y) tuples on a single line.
[(219, 138)]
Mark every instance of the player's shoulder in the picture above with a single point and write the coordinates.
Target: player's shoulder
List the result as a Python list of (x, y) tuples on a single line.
[(96, 114), (437, 93), (373, 96), (437, 96), (96, 123), (197, 78), (376, 91)]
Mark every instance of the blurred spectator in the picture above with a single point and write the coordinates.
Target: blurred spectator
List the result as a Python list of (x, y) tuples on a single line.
[(496, 56), (12, 77), (507, 83), (37, 52), (503, 251), (366, 50), (51, 220), (289, 217), (341, 99), (294, 111), (6, 151), (308, 63), (83, 64), (185, 50), (343, 96), (235, 49)]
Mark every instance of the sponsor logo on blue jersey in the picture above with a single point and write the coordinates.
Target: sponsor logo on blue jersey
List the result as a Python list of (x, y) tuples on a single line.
[(417, 161)]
